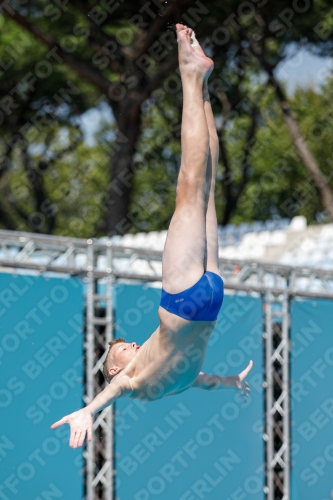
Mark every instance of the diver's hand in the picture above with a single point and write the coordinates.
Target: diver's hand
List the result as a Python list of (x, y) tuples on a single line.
[(81, 425), (240, 380)]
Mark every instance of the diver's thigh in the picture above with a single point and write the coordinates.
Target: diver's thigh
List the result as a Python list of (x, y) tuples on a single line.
[(184, 251)]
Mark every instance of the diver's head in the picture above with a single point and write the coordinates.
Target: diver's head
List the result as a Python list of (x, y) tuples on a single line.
[(119, 355)]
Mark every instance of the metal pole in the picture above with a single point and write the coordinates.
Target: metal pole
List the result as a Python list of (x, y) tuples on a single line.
[(269, 399), (286, 390), (110, 415), (90, 364)]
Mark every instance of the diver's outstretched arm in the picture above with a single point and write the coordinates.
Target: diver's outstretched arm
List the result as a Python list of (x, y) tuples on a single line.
[(81, 421), (214, 382)]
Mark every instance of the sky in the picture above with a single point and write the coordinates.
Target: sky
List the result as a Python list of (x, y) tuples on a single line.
[(304, 69), (300, 69)]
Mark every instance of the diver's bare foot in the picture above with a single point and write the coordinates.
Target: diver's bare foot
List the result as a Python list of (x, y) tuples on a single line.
[(192, 60)]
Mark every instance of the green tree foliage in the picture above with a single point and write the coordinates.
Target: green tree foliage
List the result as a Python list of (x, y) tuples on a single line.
[(70, 173), (277, 187), (279, 184)]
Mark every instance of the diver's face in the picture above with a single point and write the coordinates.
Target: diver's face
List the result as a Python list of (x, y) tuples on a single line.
[(123, 352)]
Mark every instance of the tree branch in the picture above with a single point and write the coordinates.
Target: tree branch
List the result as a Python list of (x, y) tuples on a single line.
[(79, 65), (231, 190), (247, 150), (156, 28), (82, 6), (226, 109), (154, 82), (19, 212), (114, 64), (72, 146), (5, 162)]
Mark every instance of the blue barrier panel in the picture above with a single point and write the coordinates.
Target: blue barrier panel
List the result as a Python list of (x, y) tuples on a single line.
[(312, 399), (41, 380), (197, 444)]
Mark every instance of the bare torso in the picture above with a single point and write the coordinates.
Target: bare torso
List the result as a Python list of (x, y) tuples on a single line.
[(170, 360)]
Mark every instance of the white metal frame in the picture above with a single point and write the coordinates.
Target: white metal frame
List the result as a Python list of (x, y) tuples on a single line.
[(276, 283)]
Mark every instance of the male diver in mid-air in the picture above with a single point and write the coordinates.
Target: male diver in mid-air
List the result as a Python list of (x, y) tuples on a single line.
[(169, 362)]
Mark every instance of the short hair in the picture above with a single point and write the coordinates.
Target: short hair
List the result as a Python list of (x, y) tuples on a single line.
[(107, 365)]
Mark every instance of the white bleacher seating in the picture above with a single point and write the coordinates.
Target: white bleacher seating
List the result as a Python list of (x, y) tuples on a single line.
[(289, 242)]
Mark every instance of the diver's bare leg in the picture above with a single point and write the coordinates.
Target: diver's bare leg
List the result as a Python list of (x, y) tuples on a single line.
[(212, 247), (211, 256), (185, 247)]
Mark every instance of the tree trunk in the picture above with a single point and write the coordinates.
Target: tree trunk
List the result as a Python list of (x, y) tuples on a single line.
[(227, 185), (118, 217), (232, 190), (303, 150), (6, 220)]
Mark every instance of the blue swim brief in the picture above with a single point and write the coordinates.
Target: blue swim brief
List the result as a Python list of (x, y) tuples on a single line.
[(200, 302)]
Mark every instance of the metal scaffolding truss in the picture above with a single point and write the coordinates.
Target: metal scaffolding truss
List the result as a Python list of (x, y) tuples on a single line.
[(101, 263), (277, 383)]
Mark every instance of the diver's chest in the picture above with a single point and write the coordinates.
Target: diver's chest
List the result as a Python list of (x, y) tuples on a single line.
[(169, 377)]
